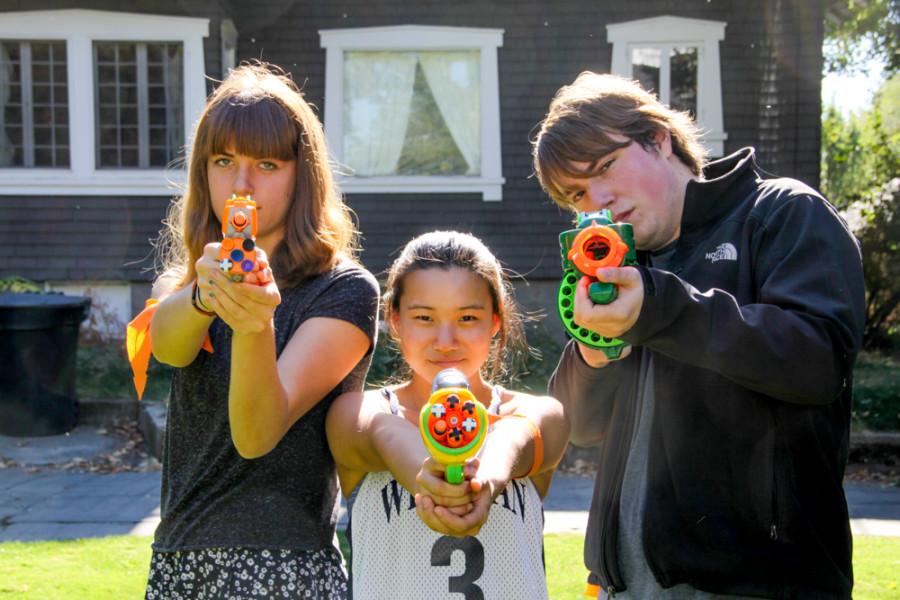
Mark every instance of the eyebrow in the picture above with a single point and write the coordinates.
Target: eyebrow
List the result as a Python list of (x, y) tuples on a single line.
[(477, 306)]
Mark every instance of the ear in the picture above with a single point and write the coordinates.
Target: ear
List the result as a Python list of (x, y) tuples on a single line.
[(393, 322), (663, 141), (495, 328)]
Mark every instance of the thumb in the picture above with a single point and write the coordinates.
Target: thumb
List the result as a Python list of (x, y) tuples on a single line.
[(624, 276)]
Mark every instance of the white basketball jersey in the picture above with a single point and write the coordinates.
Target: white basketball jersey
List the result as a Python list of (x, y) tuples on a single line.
[(396, 556)]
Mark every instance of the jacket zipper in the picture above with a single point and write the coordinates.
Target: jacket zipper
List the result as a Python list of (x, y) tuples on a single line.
[(773, 526), (611, 577)]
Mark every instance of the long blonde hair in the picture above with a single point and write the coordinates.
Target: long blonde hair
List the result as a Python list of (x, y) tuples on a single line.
[(262, 112)]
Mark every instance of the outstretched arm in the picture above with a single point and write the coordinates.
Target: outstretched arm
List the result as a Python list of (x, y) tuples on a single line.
[(510, 451), (366, 438)]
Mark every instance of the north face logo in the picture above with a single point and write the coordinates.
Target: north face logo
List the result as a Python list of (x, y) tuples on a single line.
[(725, 251)]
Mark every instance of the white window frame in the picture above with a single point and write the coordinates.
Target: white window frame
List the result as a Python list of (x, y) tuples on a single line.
[(80, 28), (667, 32), (418, 37)]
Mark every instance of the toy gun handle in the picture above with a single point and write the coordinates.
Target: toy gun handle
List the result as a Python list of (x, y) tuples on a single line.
[(453, 423), (237, 255)]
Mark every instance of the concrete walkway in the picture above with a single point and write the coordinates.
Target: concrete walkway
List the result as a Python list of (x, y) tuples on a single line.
[(53, 504)]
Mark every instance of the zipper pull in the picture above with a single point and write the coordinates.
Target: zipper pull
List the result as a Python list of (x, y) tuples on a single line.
[(611, 591), (773, 532)]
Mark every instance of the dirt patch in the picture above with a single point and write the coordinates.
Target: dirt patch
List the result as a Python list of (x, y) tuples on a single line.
[(130, 455)]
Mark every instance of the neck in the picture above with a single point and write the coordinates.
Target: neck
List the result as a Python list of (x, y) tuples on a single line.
[(268, 243)]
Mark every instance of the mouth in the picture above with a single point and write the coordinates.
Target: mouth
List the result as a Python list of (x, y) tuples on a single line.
[(622, 217), (446, 362)]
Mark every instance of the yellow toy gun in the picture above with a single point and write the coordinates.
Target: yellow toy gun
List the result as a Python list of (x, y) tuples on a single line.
[(453, 423)]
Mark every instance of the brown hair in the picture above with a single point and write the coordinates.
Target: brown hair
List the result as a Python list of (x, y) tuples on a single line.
[(445, 249), (260, 110), (582, 117)]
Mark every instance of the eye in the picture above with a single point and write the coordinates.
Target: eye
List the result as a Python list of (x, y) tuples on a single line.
[(422, 318), (268, 165), (221, 161), (576, 197), (468, 318), (605, 167)]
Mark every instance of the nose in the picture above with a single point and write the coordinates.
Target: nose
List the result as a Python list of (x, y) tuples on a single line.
[(600, 196), (243, 181), (445, 338)]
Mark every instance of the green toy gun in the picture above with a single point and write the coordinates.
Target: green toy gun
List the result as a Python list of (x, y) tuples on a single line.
[(453, 423), (595, 243)]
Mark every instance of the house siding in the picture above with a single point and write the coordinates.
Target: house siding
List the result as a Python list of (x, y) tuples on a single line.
[(771, 69)]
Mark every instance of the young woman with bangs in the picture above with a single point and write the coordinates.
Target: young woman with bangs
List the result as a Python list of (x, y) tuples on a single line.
[(249, 489)]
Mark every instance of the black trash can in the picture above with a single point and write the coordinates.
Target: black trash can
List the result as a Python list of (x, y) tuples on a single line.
[(38, 341)]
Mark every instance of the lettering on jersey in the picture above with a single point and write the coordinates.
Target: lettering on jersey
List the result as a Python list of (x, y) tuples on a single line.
[(393, 495), (395, 498), (513, 502)]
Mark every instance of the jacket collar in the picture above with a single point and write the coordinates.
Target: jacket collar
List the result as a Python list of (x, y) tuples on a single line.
[(712, 197)]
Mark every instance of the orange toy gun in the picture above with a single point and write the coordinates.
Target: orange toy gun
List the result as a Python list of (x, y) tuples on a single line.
[(237, 254), (453, 423)]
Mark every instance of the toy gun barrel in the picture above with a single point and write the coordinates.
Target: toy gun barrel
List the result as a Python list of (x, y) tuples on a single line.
[(453, 423), (237, 255)]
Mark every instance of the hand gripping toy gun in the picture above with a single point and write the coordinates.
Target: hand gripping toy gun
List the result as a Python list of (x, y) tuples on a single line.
[(453, 423), (596, 242), (237, 254)]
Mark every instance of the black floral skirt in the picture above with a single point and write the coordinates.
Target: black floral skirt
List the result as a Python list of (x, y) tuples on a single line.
[(241, 573)]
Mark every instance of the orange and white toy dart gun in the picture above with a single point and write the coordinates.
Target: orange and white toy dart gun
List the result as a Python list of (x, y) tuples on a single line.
[(237, 254)]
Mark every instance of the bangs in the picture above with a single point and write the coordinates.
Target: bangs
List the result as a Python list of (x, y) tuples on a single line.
[(567, 143), (258, 127)]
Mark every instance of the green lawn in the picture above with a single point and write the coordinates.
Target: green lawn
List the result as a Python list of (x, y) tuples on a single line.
[(115, 568)]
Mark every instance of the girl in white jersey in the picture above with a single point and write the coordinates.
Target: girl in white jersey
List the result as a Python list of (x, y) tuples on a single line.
[(412, 534)]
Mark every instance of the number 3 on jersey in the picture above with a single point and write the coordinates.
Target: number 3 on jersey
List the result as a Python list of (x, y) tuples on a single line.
[(473, 551)]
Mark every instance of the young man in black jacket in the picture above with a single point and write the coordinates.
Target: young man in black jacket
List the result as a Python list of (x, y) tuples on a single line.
[(724, 426)]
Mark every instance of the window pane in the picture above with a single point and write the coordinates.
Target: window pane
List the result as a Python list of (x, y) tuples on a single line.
[(40, 52), (156, 95), (683, 63), (126, 53), (645, 67), (43, 136), (30, 136), (412, 113), (40, 73), (41, 94), (129, 157), (43, 157)]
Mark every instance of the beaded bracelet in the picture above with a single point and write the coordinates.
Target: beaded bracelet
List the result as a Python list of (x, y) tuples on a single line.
[(197, 303)]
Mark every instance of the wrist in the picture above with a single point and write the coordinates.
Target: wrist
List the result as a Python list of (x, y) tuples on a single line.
[(197, 301)]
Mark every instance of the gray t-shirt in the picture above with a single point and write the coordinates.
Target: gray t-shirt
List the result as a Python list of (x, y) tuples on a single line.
[(287, 499)]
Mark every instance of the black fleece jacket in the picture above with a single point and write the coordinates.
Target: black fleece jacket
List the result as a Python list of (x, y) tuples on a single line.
[(754, 333)]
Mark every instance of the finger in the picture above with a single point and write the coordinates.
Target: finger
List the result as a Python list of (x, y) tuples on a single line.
[(471, 468), (443, 492), (468, 524), (433, 466), (461, 510), (225, 305), (425, 512), (624, 276)]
